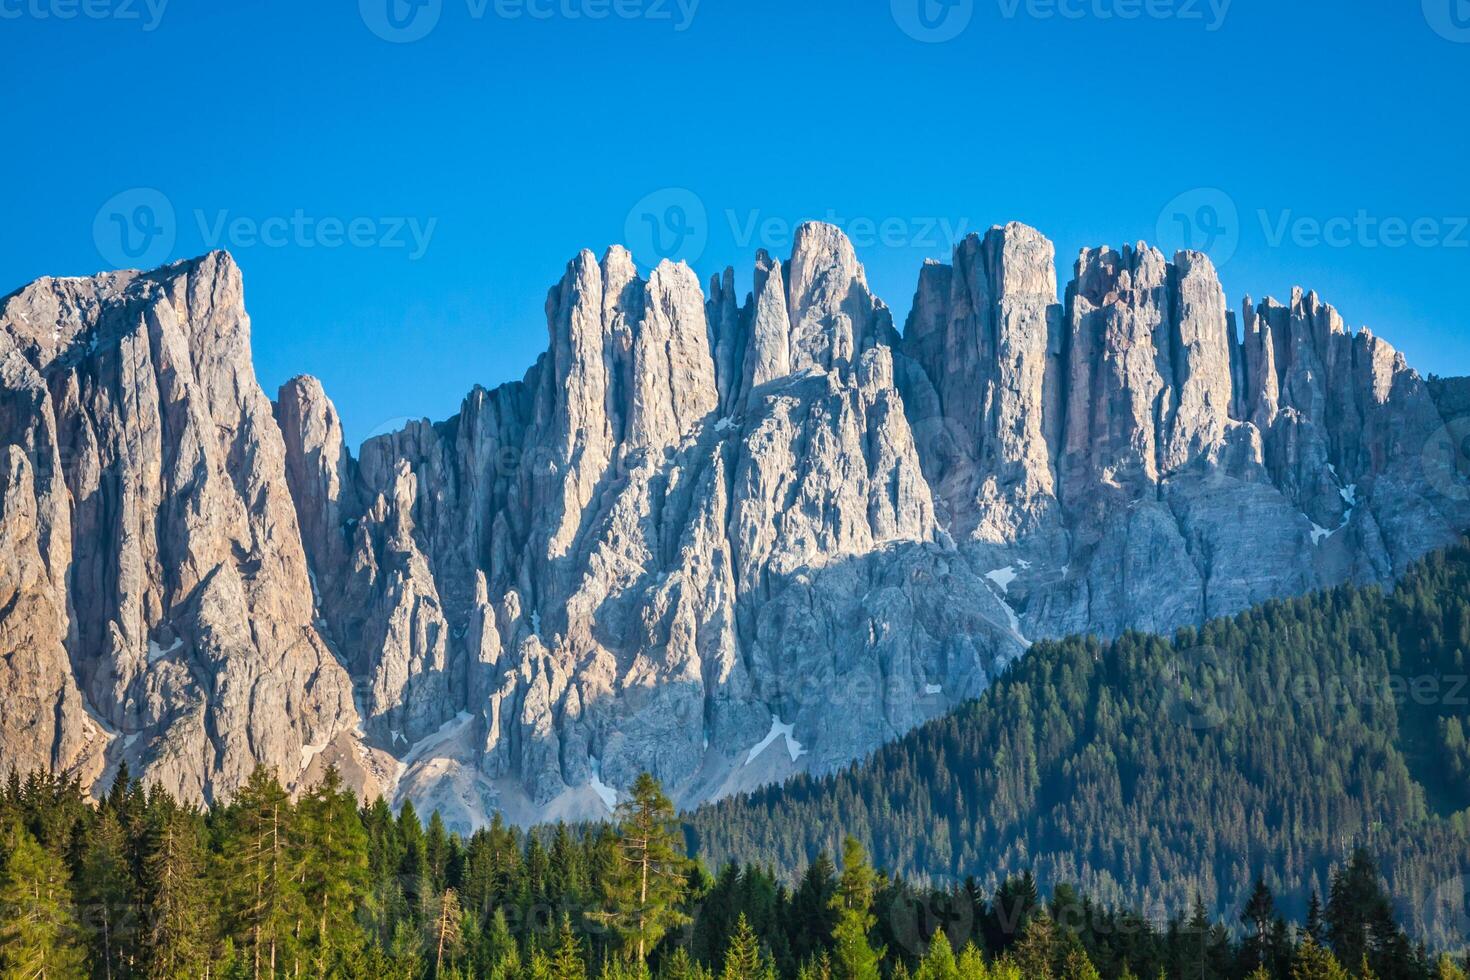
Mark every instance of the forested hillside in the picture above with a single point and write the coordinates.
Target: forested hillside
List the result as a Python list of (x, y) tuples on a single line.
[(1147, 771), (270, 887)]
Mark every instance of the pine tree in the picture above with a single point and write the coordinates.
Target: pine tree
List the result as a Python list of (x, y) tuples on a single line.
[(1077, 966), (334, 879), (1315, 927), (444, 929), (174, 883), (743, 960), (38, 933), (1445, 969), (971, 965), (811, 916), (262, 878), (648, 876), (1034, 951), (105, 888), (566, 960), (1315, 963), (853, 957), (405, 954), (1258, 917), (939, 962)]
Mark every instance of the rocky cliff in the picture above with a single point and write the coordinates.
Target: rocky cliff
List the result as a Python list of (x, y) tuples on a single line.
[(721, 541)]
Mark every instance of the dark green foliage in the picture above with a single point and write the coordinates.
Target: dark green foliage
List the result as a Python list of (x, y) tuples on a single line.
[(139, 885), (323, 888), (1150, 771)]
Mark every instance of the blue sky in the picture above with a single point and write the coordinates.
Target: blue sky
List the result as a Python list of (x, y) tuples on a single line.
[(400, 206)]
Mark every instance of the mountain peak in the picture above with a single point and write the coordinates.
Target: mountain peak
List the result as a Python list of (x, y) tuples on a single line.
[(692, 524)]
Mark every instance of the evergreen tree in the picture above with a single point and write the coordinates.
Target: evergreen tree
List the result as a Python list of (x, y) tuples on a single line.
[(566, 961), (971, 965), (105, 889), (811, 916), (263, 893), (743, 959), (444, 929), (1315, 927), (1259, 919), (1077, 966), (939, 962), (335, 874), (650, 871), (1445, 969), (1034, 951), (38, 932), (681, 966), (853, 956), (1315, 963), (174, 883)]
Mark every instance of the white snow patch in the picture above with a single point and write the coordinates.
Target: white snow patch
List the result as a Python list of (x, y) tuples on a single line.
[(309, 752), (933, 689), (536, 622), (157, 653), (608, 795), (101, 723), (777, 730), (1003, 577), (726, 423), (1012, 620), (1350, 494), (397, 736), (1319, 532)]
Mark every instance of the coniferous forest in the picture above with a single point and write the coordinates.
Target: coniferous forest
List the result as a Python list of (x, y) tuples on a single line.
[(1283, 794), (1149, 772), (140, 886)]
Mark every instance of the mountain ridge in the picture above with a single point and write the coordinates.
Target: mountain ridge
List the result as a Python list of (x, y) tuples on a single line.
[(693, 528), (1269, 744)]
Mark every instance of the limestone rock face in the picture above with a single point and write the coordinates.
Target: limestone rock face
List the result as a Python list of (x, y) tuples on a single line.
[(720, 540), (162, 600), (987, 333)]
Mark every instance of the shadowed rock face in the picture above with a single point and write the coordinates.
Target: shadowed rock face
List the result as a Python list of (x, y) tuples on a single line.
[(719, 541)]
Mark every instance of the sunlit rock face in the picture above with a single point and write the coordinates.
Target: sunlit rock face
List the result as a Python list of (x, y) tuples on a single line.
[(722, 541)]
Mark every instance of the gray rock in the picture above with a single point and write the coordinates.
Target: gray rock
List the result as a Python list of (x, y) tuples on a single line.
[(722, 542)]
